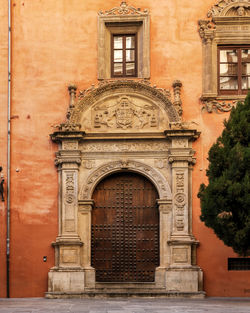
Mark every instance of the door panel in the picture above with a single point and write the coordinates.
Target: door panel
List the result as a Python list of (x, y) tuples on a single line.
[(125, 229)]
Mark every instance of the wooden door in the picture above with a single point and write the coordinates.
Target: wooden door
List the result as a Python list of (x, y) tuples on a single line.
[(125, 229)]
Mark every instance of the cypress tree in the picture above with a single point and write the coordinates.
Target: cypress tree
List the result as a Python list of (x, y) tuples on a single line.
[(225, 201)]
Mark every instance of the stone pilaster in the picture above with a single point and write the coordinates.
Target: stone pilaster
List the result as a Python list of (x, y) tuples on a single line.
[(182, 274), (68, 269)]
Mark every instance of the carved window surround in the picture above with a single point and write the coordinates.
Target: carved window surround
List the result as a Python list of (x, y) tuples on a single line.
[(228, 24), (123, 20)]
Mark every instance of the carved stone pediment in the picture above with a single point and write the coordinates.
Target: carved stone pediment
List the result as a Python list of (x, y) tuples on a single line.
[(124, 106), (123, 9), (230, 8)]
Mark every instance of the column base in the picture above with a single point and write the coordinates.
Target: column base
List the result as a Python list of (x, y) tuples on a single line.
[(66, 281), (184, 279)]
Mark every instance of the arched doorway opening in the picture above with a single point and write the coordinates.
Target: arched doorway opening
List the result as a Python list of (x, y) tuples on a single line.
[(125, 229)]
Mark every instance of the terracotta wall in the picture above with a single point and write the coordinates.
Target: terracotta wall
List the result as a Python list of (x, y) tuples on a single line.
[(55, 43)]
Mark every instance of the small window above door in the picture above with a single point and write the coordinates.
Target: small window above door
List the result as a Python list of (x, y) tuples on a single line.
[(124, 25), (124, 55)]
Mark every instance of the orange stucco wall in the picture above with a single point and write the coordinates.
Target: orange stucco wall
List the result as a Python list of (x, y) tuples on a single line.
[(54, 43)]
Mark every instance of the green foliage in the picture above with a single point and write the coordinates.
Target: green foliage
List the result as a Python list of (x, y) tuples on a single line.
[(225, 201)]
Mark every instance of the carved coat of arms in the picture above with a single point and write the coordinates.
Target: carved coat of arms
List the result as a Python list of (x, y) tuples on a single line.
[(125, 114)]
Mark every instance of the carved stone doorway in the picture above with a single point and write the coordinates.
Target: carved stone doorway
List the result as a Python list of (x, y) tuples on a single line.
[(154, 145), (125, 229)]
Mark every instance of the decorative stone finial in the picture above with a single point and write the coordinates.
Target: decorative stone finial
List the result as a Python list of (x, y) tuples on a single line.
[(72, 94), (177, 96)]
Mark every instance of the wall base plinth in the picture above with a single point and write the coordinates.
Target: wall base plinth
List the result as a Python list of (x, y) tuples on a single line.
[(65, 281), (170, 283), (186, 279)]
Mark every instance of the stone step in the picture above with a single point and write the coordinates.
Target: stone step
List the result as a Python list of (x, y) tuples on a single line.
[(124, 285), (125, 293)]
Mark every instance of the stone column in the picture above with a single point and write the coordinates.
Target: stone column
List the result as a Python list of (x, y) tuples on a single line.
[(182, 275), (68, 274), (165, 211), (85, 209)]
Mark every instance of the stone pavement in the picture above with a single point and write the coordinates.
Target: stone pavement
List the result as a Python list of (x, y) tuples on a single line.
[(125, 305)]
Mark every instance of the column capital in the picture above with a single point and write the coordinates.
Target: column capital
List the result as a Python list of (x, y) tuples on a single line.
[(85, 206), (165, 205), (68, 157)]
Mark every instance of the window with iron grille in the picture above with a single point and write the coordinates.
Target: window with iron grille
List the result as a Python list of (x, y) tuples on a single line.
[(124, 55), (233, 70), (239, 264)]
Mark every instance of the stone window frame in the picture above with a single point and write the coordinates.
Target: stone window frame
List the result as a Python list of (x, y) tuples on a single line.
[(123, 20), (238, 68), (225, 27)]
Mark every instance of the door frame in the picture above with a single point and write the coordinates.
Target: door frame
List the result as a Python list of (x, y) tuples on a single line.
[(154, 207), (164, 206)]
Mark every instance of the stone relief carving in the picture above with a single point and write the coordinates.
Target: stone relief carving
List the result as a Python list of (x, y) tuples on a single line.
[(230, 8), (180, 143), (124, 9), (125, 114), (89, 164), (70, 145), (107, 82), (180, 201), (69, 188), (161, 163), (123, 147), (180, 255), (156, 177), (206, 30), (181, 125), (214, 105), (88, 97)]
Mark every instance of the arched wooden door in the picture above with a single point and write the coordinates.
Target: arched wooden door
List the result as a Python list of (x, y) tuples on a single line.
[(125, 229)]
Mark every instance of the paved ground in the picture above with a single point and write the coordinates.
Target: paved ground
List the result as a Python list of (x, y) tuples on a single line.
[(131, 305)]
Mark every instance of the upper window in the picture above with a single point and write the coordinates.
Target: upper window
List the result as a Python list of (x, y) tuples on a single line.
[(226, 53), (124, 55), (233, 70), (123, 43)]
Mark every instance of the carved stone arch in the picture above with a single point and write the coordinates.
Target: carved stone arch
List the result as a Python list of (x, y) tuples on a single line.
[(152, 174), (107, 94)]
